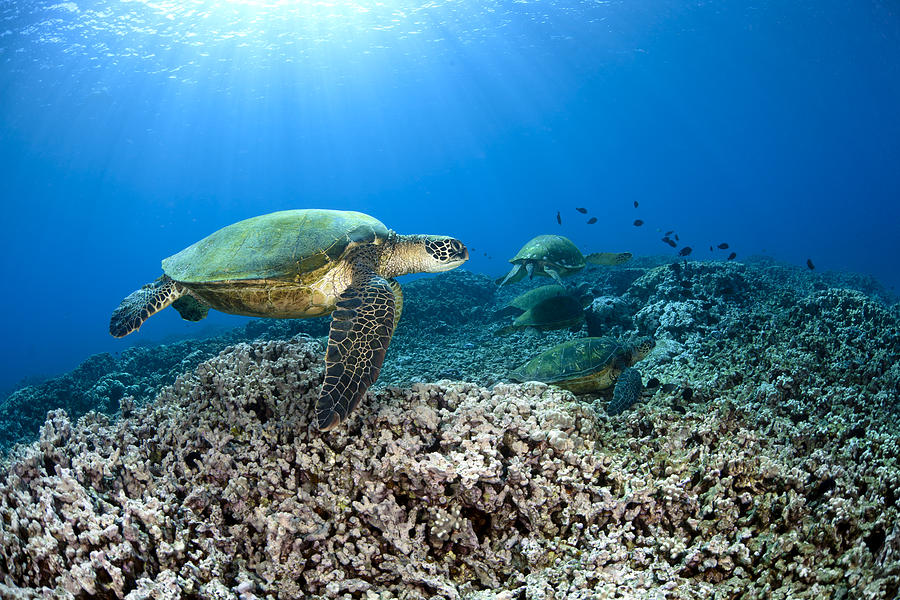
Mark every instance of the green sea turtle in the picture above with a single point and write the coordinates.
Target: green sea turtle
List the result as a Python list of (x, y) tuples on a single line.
[(547, 307), (297, 264), (532, 297), (555, 256), (591, 364)]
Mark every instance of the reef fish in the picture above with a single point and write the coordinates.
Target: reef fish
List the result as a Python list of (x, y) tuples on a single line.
[(669, 242), (685, 251), (732, 256), (638, 222), (558, 218), (635, 203), (723, 246), (582, 210), (592, 220), (809, 263)]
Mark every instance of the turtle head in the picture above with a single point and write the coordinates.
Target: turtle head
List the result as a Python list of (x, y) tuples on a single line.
[(423, 254), (642, 347), (444, 253)]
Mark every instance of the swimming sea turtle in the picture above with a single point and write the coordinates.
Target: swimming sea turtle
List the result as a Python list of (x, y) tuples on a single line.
[(591, 364), (297, 264), (555, 256), (547, 307)]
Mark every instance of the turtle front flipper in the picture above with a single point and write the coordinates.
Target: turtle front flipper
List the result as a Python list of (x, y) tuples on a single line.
[(627, 391), (361, 329), (139, 305), (552, 273), (513, 276)]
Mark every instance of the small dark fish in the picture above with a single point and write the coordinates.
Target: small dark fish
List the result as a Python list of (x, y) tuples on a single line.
[(671, 243), (638, 222), (685, 251), (666, 239), (722, 246), (592, 220), (558, 218), (635, 204), (732, 256), (710, 248), (669, 387), (670, 232), (679, 409), (809, 263), (676, 237), (687, 394), (582, 210), (653, 382), (485, 253)]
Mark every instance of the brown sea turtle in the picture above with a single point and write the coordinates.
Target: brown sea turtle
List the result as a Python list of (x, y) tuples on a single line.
[(297, 264), (557, 257)]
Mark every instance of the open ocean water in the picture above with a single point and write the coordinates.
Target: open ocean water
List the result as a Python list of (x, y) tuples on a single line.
[(129, 130), (690, 134)]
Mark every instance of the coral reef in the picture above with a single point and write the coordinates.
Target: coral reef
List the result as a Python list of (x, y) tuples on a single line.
[(449, 490), (447, 330), (762, 462), (139, 372)]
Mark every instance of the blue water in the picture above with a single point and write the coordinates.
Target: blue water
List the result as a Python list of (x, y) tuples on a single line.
[(128, 130)]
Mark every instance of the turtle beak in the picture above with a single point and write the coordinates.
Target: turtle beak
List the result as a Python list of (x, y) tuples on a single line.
[(459, 253)]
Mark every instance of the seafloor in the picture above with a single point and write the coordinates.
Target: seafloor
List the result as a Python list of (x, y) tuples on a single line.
[(764, 465)]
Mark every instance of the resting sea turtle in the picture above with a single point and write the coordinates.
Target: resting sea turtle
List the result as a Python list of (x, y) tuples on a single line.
[(532, 297), (555, 256), (547, 307), (296, 264), (588, 365)]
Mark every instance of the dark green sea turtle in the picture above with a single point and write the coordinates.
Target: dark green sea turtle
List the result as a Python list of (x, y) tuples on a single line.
[(547, 307), (297, 264), (532, 297), (591, 364), (555, 256)]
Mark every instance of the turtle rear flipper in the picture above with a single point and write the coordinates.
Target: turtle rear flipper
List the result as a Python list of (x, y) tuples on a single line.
[(627, 391), (139, 305), (608, 258), (361, 329)]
